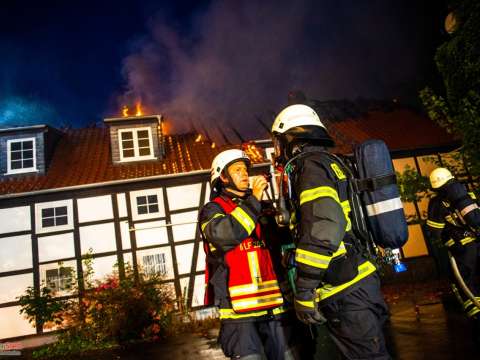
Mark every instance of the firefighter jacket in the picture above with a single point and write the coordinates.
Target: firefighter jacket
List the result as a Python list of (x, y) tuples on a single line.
[(239, 265), (328, 256), (445, 223)]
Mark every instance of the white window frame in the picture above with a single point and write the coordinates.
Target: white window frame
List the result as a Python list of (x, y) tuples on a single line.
[(54, 204), (60, 279), (148, 204), (9, 157), (136, 156)]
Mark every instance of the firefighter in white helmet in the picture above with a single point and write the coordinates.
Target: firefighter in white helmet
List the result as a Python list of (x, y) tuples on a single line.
[(240, 275), (454, 220), (335, 284)]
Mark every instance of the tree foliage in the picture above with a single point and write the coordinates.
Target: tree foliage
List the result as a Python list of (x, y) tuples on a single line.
[(457, 109)]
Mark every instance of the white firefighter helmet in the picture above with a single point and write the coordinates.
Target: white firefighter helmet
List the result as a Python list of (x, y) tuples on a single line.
[(296, 115), (224, 159), (439, 177), (297, 124)]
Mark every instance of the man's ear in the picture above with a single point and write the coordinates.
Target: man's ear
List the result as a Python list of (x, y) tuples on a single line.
[(223, 178)]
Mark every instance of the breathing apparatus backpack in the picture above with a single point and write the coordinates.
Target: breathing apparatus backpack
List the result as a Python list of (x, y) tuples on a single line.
[(377, 214)]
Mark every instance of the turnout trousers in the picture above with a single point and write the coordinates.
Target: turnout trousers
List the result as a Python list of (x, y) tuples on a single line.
[(252, 340), (356, 320)]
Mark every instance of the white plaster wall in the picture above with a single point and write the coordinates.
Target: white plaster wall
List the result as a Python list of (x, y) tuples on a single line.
[(15, 219), (95, 208), (151, 233), (13, 286), (56, 247), (186, 231), (185, 196), (207, 194), (122, 205), (168, 259), (198, 290), (184, 258), (102, 266), (133, 203), (201, 259), (16, 253), (101, 238), (125, 234), (13, 324)]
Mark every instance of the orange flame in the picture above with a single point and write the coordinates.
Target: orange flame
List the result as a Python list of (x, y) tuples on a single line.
[(138, 109), (125, 110), (199, 138)]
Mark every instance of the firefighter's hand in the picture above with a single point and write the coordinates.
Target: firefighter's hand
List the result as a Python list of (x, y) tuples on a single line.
[(306, 307), (259, 184)]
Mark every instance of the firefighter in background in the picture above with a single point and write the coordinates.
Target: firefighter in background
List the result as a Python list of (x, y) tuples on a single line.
[(334, 283), (454, 219), (241, 279)]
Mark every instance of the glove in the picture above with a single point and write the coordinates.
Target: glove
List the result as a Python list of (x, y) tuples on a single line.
[(306, 307)]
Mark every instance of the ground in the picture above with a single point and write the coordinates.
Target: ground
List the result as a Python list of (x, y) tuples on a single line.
[(425, 323)]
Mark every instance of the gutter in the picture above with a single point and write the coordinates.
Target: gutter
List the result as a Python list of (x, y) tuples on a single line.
[(115, 182)]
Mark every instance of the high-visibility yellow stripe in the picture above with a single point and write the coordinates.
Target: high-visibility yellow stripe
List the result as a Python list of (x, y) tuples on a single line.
[(346, 210), (204, 225), (474, 311), (467, 240), (252, 289), (230, 314), (266, 300), (327, 290), (309, 304), (435, 224), (244, 219), (315, 193), (259, 285), (472, 194), (312, 259), (341, 250), (450, 243)]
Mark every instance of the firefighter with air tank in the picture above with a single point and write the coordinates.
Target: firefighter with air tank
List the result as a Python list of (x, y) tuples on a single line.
[(335, 284), (454, 219)]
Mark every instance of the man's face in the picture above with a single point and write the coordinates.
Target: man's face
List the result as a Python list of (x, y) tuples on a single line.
[(238, 172)]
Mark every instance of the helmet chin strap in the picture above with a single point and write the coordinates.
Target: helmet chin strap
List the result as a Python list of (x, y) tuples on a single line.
[(231, 184)]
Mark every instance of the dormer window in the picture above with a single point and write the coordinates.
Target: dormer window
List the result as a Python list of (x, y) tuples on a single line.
[(135, 144), (21, 156)]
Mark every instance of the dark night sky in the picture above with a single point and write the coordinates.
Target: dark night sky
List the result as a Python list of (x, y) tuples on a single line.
[(75, 62)]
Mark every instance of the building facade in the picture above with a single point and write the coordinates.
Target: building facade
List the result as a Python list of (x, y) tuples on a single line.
[(130, 194)]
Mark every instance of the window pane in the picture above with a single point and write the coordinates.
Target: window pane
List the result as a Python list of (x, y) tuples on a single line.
[(16, 155), (152, 199), (27, 145), (51, 273), (61, 220), (16, 164), (127, 135), (127, 144), (153, 208), (144, 143), (28, 154), (27, 164), (16, 146), (142, 134), (142, 210), (62, 210), (141, 200), (48, 222), (144, 151), (128, 153), (47, 212)]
